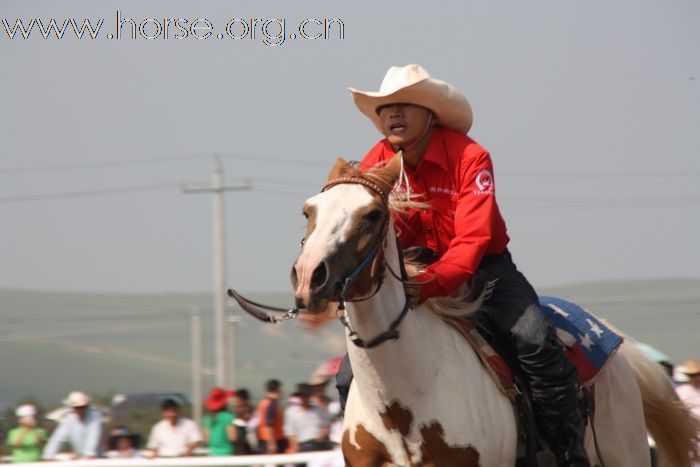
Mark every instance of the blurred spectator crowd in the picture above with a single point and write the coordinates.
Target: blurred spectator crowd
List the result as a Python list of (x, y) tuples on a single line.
[(307, 420)]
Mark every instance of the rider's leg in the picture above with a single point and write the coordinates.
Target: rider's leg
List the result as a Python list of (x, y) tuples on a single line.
[(343, 380), (514, 309)]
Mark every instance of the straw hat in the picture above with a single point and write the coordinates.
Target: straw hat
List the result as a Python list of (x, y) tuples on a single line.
[(690, 367), (411, 84), (77, 399)]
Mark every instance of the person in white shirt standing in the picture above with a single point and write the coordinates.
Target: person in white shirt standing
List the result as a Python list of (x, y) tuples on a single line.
[(306, 426), (174, 436)]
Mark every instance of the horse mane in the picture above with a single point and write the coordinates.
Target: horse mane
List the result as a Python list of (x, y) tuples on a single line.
[(469, 297)]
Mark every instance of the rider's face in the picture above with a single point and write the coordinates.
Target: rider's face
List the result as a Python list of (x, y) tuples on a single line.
[(403, 124)]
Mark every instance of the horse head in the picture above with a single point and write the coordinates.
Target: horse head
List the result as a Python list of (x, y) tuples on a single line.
[(345, 230)]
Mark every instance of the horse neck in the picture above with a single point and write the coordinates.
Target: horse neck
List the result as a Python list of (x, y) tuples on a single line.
[(384, 370)]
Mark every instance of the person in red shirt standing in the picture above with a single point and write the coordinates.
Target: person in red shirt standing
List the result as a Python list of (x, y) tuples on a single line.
[(464, 233)]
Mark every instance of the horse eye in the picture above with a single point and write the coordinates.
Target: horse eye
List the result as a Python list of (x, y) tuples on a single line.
[(303, 240), (306, 215), (374, 216)]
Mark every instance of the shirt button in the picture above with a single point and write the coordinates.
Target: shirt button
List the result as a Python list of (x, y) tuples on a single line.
[(429, 229)]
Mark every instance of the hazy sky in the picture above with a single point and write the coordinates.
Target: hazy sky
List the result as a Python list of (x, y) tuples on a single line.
[(591, 111)]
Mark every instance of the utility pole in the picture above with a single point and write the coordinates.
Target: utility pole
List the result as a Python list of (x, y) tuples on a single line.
[(196, 354), (231, 351), (218, 220)]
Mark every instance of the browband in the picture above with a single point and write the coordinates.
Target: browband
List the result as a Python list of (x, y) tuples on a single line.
[(359, 181)]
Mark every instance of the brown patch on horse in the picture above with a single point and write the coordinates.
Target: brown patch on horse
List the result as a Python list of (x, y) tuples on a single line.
[(372, 452), (436, 452), (397, 417)]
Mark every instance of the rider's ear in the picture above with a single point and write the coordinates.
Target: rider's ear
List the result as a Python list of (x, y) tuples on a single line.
[(341, 169)]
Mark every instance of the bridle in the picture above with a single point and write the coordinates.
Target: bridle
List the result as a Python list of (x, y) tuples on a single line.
[(392, 333), (263, 312)]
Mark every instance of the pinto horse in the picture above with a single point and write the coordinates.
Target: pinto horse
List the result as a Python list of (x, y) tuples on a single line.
[(421, 396)]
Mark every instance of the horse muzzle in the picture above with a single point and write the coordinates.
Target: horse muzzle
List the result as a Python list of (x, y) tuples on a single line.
[(313, 288)]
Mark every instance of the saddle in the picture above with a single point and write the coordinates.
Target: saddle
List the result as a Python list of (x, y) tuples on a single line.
[(587, 342)]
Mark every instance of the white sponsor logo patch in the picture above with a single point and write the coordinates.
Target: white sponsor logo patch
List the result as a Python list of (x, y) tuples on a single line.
[(484, 181)]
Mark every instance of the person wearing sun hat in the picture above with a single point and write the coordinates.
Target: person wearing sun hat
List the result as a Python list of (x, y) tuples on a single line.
[(26, 440), (689, 392), (81, 428), (463, 235), (219, 430)]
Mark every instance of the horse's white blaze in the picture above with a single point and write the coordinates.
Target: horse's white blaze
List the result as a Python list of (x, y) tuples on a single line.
[(334, 211)]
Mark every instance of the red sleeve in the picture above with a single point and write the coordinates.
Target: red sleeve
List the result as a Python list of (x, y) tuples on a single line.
[(475, 216)]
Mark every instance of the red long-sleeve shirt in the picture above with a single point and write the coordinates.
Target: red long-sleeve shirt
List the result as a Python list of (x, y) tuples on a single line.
[(463, 222)]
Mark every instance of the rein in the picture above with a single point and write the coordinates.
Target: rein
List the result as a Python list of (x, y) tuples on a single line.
[(390, 334), (272, 314)]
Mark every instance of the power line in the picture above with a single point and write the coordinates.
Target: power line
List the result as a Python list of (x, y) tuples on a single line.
[(98, 165), (588, 175), (152, 161), (507, 201), (326, 164), (89, 193)]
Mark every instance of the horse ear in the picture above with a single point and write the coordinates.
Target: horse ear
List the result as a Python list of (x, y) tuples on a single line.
[(391, 171), (340, 169)]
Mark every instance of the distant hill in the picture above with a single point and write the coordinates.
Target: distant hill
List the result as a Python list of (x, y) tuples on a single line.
[(52, 343)]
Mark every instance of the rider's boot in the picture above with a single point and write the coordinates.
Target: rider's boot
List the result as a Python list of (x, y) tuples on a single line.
[(553, 386), (566, 439)]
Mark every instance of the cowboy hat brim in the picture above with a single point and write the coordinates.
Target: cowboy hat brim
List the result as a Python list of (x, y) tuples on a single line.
[(451, 108)]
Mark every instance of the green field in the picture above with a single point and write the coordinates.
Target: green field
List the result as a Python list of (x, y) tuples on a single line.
[(52, 343)]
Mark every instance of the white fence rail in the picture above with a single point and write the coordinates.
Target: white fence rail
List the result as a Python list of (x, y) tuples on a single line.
[(312, 459)]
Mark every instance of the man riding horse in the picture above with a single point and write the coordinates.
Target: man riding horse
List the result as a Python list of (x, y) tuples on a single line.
[(428, 120)]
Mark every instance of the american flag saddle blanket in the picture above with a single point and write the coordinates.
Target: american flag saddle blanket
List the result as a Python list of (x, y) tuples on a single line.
[(587, 342)]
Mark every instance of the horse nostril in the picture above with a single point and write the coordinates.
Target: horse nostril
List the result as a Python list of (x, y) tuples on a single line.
[(319, 277)]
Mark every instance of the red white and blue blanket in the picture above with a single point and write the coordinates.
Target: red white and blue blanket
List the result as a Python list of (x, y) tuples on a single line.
[(588, 342)]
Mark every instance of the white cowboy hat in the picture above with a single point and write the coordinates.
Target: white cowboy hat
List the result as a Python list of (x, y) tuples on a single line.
[(411, 84), (77, 399)]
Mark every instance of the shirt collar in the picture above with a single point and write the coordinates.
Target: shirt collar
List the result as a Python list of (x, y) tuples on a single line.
[(435, 153), (436, 149)]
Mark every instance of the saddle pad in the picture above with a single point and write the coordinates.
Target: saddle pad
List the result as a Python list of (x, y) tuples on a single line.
[(588, 342)]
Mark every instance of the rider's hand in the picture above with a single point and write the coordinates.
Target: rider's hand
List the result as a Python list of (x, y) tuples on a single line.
[(412, 291)]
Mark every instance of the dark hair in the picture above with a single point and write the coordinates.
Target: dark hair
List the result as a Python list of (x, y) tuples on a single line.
[(243, 394), (273, 385), (304, 390), (169, 404)]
